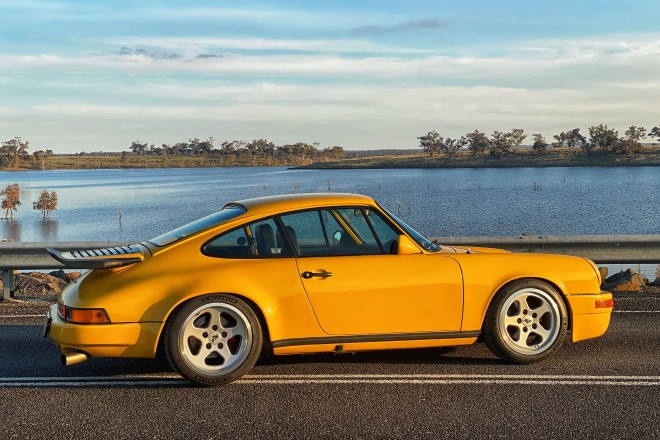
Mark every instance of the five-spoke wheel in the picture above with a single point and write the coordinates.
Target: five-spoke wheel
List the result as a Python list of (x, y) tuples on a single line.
[(526, 322), (213, 340)]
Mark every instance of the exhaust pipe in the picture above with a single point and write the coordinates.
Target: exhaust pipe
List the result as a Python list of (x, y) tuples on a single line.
[(73, 357)]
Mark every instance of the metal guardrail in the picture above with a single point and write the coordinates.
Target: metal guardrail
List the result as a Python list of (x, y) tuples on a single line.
[(602, 249), (33, 255)]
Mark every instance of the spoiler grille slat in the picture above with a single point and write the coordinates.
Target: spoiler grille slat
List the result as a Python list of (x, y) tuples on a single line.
[(102, 258)]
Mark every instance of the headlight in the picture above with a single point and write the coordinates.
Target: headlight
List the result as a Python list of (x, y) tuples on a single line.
[(82, 316)]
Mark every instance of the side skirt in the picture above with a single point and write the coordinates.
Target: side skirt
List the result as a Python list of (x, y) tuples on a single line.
[(391, 337)]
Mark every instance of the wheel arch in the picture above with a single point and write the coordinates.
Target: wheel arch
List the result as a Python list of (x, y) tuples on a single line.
[(266, 345), (551, 283)]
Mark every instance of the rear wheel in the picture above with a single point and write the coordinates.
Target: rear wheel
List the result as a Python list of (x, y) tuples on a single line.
[(526, 322), (213, 340)]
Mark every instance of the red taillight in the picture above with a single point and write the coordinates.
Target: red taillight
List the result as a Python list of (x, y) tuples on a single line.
[(604, 303), (61, 311)]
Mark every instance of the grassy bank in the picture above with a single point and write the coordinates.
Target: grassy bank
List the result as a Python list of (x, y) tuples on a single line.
[(520, 158), (115, 161), (415, 159)]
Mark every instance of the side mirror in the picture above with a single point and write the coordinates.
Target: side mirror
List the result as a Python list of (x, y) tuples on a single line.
[(405, 246)]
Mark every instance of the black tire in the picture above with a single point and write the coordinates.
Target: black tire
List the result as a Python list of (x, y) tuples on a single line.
[(525, 322), (213, 340)]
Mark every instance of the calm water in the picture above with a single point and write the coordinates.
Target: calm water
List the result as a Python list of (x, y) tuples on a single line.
[(551, 201)]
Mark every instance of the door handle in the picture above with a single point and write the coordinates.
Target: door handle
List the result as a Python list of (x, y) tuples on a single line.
[(307, 274)]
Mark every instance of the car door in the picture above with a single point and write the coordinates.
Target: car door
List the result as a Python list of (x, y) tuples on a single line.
[(357, 285)]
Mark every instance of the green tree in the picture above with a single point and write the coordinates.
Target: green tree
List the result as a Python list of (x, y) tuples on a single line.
[(560, 140), (13, 151), (451, 146), (500, 143), (196, 147), (477, 142), (431, 142), (227, 148), (46, 203), (632, 144), (600, 136), (335, 152), (517, 136), (41, 159), (573, 138), (11, 199), (139, 148), (260, 148), (539, 145), (655, 133)]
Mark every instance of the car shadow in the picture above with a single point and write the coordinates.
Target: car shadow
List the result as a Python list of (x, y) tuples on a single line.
[(421, 356), (159, 366)]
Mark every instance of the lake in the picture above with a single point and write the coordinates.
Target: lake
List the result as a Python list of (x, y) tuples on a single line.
[(136, 204)]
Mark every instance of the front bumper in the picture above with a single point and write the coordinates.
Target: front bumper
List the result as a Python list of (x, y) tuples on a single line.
[(588, 320), (136, 339)]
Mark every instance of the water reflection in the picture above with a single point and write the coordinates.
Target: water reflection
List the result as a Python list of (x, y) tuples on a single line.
[(10, 229), (42, 230), (47, 230)]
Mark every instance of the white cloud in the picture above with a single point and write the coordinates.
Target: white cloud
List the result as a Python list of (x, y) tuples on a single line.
[(356, 101), (355, 117), (572, 60)]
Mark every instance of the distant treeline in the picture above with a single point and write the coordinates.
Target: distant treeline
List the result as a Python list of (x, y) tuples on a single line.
[(14, 154), (601, 138), (195, 152), (258, 148)]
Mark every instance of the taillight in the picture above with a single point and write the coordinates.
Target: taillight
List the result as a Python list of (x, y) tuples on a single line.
[(604, 303), (82, 316), (61, 311)]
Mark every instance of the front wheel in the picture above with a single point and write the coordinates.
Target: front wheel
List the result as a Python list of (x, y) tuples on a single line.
[(213, 340), (526, 322)]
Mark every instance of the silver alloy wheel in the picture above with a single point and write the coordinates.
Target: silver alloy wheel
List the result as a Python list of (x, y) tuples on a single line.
[(529, 321), (215, 339)]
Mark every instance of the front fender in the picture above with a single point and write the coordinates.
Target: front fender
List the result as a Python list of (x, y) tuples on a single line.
[(485, 274)]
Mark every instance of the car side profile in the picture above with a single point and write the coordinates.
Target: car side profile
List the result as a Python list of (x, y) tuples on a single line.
[(310, 273)]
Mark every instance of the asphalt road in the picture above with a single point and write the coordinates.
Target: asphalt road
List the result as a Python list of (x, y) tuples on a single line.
[(603, 388)]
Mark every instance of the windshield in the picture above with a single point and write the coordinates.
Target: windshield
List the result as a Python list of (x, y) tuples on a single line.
[(228, 212), (419, 238)]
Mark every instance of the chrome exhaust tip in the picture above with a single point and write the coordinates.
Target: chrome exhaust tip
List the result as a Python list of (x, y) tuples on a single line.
[(73, 357)]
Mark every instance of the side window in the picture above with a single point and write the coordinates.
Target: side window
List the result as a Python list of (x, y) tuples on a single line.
[(330, 232), (356, 220), (387, 236), (258, 239)]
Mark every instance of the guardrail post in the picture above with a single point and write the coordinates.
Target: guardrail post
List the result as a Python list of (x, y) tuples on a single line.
[(7, 284)]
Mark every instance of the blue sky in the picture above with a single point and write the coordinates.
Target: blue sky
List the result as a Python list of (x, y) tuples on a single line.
[(86, 76)]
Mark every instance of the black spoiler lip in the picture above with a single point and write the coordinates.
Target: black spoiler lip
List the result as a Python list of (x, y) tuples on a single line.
[(93, 263)]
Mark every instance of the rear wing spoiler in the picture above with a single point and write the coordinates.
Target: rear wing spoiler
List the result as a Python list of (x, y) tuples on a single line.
[(105, 258)]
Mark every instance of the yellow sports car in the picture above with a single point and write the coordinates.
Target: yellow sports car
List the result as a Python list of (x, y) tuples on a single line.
[(312, 273)]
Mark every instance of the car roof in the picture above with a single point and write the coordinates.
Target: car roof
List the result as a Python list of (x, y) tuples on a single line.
[(290, 202)]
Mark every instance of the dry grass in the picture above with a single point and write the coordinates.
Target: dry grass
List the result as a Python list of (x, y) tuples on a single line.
[(520, 158)]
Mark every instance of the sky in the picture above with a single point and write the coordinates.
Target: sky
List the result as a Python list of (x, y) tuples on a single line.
[(97, 75)]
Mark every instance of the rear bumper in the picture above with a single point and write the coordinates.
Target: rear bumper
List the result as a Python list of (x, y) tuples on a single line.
[(105, 340), (588, 320)]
